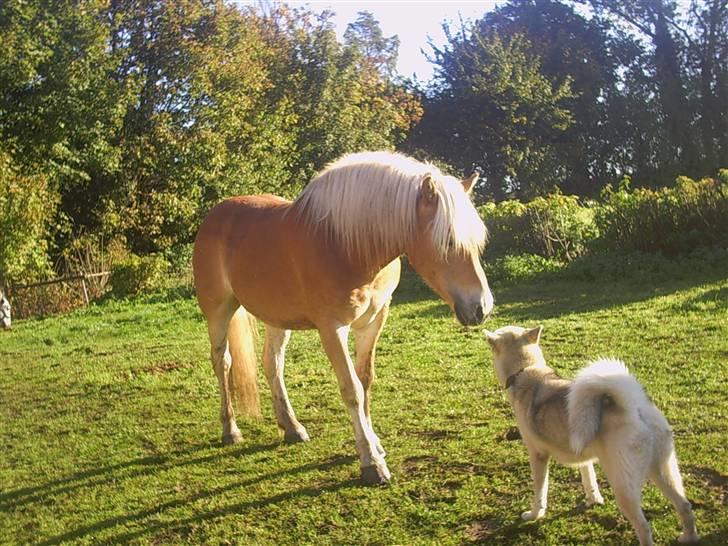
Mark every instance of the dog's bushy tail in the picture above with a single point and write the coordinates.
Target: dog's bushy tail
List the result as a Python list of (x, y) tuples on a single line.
[(588, 398)]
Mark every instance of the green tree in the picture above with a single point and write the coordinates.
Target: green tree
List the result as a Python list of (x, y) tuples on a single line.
[(495, 109), (60, 107), (365, 36), (26, 211)]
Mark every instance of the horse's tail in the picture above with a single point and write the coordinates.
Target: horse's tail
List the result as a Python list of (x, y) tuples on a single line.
[(242, 380)]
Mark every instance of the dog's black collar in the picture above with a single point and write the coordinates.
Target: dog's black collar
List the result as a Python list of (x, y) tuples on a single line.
[(512, 378)]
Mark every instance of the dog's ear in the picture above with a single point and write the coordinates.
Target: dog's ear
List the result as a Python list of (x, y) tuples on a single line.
[(534, 334), (491, 337)]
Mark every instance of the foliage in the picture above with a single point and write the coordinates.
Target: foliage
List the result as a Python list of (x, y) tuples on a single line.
[(26, 206), (495, 109), (143, 114), (520, 267), (555, 226), (633, 88), (669, 220), (138, 275)]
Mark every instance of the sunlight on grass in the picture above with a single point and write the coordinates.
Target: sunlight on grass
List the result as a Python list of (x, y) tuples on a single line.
[(110, 432)]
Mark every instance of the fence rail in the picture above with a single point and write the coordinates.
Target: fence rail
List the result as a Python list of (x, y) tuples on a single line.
[(82, 277)]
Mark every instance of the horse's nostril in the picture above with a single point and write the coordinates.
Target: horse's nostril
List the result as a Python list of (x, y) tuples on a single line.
[(479, 315)]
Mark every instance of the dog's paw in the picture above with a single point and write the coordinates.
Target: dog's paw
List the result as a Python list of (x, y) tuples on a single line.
[(532, 515), (596, 498)]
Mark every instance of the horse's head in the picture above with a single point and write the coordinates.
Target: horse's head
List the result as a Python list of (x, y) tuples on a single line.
[(446, 248)]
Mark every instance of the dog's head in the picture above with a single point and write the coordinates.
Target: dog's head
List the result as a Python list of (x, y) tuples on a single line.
[(514, 348)]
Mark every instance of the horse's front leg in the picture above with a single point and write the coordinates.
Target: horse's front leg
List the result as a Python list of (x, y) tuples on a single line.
[(373, 468), (273, 362), (366, 338)]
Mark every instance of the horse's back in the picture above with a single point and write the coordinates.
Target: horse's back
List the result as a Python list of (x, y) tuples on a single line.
[(231, 230), (256, 252)]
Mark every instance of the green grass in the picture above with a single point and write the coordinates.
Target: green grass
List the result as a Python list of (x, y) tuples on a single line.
[(109, 425)]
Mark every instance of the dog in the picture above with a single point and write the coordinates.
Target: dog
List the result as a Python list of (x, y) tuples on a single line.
[(604, 415)]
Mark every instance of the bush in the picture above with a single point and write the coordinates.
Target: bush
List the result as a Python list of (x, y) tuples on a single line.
[(27, 205), (556, 226), (520, 267), (671, 221), (138, 275), (643, 267)]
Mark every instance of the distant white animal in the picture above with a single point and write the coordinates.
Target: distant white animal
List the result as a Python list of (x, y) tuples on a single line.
[(4, 311)]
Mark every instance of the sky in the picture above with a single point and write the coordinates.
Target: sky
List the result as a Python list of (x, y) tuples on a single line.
[(413, 21)]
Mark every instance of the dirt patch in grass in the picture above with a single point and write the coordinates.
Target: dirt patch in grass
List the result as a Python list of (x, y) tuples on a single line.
[(160, 368), (412, 465)]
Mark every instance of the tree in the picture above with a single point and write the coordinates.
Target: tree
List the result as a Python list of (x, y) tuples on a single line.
[(495, 109), (657, 21), (572, 48), (26, 211), (365, 36), (61, 109)]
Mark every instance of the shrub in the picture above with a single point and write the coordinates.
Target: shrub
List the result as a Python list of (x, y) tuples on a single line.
[(27, 205), (520, 267), (138, 275), (672, 221), (556, 226)]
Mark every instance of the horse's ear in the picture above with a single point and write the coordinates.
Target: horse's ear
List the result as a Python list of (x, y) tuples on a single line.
[(469, 182), (491, 337), (428, 191)]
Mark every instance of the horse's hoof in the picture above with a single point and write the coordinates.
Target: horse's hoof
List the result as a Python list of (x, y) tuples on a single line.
[(232, 438), (375, 475), (295, 436)]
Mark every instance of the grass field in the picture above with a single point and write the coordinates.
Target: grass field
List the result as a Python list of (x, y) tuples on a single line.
[(109, 427)]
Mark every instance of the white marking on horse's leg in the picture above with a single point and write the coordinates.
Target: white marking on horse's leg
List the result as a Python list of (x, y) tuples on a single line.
[(217, 326), (274, 352), (366, 339), (374, 469)]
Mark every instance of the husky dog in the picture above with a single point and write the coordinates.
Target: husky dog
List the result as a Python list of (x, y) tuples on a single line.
[(603, 414)]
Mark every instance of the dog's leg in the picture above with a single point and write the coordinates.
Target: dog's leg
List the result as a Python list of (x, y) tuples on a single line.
[(628, 493), (589, 482), (540, 472), (667, 478)]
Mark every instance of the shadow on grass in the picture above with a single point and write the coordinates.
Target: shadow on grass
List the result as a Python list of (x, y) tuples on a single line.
[(144, 466), (148, 529), (488, 530), (550, 297)]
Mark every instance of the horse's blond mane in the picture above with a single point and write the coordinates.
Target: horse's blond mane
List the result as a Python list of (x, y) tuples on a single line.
[(367, 201)]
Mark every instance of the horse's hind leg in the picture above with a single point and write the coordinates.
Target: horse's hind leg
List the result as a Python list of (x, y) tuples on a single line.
[(273, 362), (218, 321), (366, 338)]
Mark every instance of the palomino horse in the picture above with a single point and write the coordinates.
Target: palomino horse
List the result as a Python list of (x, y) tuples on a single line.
[(330, 260)]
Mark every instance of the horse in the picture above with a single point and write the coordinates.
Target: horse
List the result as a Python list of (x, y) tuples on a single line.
[(330, 260)]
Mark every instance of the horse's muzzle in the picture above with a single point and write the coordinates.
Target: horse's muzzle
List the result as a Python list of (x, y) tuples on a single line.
[(470, 315)]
